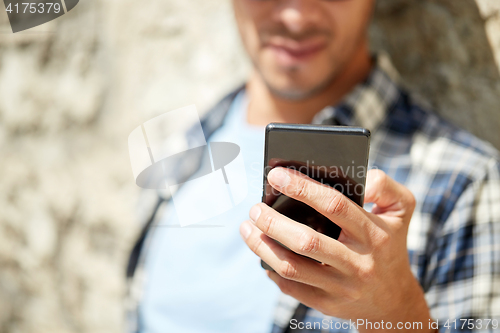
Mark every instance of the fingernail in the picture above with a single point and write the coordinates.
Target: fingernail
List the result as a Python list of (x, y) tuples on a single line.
[(245, 229), (279, 178), (254, 213)]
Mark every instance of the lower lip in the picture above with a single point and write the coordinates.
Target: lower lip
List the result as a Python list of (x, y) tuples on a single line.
[(288, 58)]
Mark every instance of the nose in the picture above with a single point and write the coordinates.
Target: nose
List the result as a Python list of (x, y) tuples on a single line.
[(298, 15)]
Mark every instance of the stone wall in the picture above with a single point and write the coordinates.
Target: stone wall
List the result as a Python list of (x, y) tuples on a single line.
[(448, 53), (73, 89)]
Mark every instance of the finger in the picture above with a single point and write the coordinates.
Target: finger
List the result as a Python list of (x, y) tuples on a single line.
[(287, 264), (310, 296), (325, 199), (302, 239), (389, 196)]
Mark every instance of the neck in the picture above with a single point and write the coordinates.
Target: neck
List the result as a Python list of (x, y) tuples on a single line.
[(264, 107)]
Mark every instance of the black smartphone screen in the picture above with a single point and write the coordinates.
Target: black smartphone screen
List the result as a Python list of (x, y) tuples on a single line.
[(333, 155)]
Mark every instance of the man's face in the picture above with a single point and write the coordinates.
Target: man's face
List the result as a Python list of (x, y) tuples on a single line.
[(300, 46)]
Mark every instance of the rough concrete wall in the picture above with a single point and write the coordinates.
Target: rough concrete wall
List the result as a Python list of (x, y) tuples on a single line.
[(448, 53), (73, 89), (65, 196), (70, 93)]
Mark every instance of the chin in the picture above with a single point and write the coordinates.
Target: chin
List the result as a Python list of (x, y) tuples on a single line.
[(293, 94), (295, 91), (296, 84)]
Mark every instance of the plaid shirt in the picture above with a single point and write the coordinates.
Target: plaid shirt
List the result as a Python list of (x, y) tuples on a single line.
[(454, 234)]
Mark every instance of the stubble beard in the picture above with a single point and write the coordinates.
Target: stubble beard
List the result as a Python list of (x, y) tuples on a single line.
[(294, 93), (297, 94)]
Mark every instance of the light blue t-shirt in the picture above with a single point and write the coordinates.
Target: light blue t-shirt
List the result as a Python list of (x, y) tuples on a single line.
[(205, 279)]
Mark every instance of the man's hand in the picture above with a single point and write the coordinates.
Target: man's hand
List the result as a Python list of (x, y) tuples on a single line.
[(365, 274)]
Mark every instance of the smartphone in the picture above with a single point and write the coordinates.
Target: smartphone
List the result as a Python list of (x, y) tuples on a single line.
[(336, 156)]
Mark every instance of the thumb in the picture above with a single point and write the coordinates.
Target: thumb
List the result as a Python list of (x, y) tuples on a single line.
[(389, 196)]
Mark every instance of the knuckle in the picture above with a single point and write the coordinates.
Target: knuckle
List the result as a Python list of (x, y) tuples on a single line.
[(255, 245), (336, 205), (288, 269), (353, 295), (301, 188), (308, 243), (366, 272), (381, 239), (268, 222)]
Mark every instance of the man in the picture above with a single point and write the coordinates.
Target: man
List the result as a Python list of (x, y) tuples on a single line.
[(424, 258)]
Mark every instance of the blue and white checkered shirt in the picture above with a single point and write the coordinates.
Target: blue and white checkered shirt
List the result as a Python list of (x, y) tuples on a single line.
[(454, 234)]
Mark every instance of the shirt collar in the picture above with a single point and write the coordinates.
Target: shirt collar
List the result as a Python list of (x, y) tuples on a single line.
[(367, 105)]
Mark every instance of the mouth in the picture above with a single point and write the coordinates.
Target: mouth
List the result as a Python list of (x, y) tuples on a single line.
[(289, 52)]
